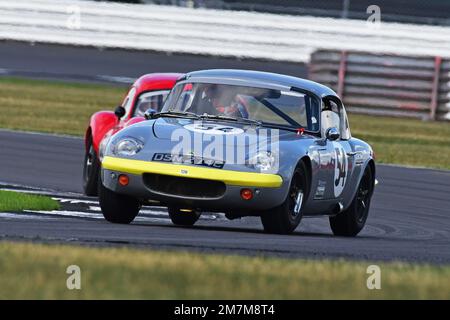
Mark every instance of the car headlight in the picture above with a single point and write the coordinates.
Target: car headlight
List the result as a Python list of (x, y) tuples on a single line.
[(265, 161), (127, 147)]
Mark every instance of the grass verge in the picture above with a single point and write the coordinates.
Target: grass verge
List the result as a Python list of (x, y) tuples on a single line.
[(16, 202), (53, 107), (36, 271), (65, 108), (405, 141)]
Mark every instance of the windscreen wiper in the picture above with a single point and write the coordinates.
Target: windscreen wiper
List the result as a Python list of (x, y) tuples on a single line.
[(216, 116), (174, 114)]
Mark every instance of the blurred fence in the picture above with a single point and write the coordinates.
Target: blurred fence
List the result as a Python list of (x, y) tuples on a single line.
[(390, 85), (405, 11), (209, 32)]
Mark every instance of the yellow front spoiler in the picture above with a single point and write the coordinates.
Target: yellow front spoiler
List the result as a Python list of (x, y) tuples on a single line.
[(229, 177)]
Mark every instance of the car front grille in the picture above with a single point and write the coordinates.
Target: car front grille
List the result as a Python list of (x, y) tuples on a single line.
[(185, 187)]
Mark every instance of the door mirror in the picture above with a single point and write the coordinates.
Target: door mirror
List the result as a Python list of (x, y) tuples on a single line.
[(332, 134), (149, 114), (120, 112)]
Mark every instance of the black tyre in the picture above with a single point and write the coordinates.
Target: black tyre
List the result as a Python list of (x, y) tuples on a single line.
[(286, 217), (118, 208), (91, 171), (351, 221), (183, 217)]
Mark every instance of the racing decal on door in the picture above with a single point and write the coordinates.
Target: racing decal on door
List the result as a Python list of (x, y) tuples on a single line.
[(340, 169)]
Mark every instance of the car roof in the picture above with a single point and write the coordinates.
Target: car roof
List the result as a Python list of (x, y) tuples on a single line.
[(156, 81), (259, 78)]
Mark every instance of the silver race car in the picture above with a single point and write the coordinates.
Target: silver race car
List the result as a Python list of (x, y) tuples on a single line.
[(244, 143)]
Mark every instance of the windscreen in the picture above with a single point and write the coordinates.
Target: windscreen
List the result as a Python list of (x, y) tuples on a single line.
[(269, 106)]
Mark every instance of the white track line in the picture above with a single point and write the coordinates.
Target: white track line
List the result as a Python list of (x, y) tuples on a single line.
[(10, 215)]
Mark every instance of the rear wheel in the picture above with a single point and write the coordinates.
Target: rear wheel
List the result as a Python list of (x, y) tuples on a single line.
[(351, 221), (183, 217), (286, 217), (91, 170), (118, 208)]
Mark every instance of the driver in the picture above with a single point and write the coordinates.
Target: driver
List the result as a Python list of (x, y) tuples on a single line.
[(219, 102)]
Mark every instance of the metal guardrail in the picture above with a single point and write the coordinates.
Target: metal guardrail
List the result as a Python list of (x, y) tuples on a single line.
[(392, 85), (209, 32)]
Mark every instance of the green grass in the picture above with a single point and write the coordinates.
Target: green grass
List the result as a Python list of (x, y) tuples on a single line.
[(66, 108), (35, 271), (405, 141), (16, 202), (54, 107)]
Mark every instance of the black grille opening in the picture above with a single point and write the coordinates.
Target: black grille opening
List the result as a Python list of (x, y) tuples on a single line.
[(186, 187)]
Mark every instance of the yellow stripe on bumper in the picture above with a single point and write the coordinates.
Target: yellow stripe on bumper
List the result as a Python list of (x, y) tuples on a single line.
[(238, 178)]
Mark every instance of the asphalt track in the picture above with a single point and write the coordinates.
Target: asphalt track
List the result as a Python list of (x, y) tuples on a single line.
[(409, 218), (88, 64)]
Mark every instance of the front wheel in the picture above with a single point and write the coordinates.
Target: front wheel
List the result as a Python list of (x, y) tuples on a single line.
[(286, 217), (183, 217), (351, 221), (118, 208)]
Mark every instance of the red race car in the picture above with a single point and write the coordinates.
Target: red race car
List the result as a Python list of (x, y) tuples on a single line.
[(148, 92)]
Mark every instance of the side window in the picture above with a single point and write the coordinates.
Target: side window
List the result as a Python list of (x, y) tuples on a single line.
[(128, 101), (334, 115), (330, 116), (150, 100)]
